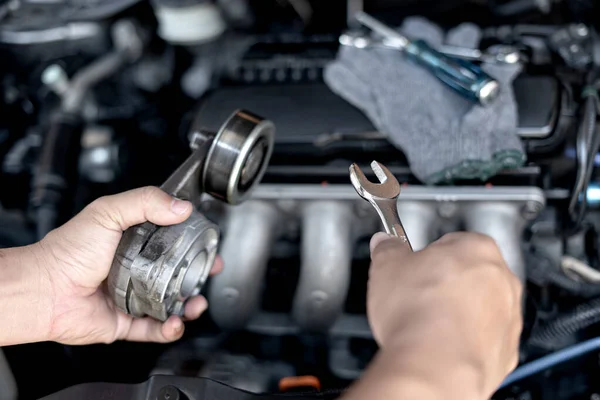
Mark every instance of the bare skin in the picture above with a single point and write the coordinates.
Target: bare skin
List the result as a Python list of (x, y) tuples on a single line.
[(53, 290), (447, 318)]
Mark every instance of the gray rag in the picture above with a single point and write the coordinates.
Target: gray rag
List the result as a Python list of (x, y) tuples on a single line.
[(444, 136)]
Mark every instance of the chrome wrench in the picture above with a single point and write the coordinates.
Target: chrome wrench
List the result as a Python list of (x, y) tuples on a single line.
[(383, 196)]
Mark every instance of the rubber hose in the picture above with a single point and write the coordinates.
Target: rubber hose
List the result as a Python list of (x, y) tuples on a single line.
[(552, 334), (584, 144), (541, 271), (56, 172), (582, 289), (551, 360)]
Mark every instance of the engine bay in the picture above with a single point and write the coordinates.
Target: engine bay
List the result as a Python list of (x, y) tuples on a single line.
[(99, 97)]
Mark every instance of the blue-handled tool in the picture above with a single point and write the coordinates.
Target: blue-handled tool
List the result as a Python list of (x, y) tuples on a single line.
[(463, 76)]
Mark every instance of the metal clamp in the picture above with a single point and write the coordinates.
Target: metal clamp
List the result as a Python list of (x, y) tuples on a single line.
[(156, 269)]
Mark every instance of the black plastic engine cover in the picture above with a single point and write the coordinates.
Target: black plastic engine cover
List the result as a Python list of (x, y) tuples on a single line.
[(315, 121), (318, 131), (173, 388)]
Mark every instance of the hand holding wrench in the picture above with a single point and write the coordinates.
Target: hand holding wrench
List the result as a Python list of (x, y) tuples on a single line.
[(383, 197)]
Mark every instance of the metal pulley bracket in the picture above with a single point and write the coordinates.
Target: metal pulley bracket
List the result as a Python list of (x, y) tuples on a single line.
[(156, 269)]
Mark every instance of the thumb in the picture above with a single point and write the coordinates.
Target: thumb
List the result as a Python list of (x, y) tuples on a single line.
[(121, 211), (383, 246), (377, 239)]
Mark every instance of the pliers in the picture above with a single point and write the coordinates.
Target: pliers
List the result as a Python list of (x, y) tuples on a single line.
[(383, 196)]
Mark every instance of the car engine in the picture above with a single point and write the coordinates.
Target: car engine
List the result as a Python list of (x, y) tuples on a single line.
[(98, 97)]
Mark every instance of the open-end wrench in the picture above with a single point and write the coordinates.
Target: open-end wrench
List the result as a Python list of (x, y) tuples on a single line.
[(383, 197)]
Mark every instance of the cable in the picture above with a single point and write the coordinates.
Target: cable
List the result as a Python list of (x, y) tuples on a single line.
[(550, 335), (551, 360), (588, 144)]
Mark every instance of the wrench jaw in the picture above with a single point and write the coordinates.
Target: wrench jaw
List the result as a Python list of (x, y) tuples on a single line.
[(357, 177), (387, 181), (382, 196), (387, 188)]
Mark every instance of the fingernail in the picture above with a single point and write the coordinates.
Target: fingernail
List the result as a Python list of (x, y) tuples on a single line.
[(377, 239), (178, 327), (180, 207)]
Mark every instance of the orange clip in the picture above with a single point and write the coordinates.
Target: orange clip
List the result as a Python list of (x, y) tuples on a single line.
[(293, 382)]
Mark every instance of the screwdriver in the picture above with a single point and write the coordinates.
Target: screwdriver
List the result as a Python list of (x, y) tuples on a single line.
[(465, 77)]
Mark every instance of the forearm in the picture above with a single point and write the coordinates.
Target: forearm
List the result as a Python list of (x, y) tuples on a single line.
[(25, 298), (395, 376)]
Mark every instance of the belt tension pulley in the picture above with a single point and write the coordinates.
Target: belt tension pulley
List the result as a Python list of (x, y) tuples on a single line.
[(156, 269)]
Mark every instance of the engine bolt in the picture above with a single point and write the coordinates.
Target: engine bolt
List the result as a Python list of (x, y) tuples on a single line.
[(169, 393), (287, 206), (582, 31), (531, 209), (177, 308), (447, 210), (55, 77)]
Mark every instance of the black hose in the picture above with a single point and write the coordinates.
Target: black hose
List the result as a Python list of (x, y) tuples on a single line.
[(542, 271), (56, 172), (582, 289), (584, 135), (588, 145), (553, 334)]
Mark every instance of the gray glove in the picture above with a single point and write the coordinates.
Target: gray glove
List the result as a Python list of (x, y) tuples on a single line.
[(444, 136)]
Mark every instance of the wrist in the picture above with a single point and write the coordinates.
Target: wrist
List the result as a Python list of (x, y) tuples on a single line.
[(393, 375), (437, 352), (26, 298)]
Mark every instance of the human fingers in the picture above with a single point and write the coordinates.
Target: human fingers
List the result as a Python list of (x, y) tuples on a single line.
[(217, 266), (151, 330), (383, 245), (194, 307), (378, 238), (121, 211)]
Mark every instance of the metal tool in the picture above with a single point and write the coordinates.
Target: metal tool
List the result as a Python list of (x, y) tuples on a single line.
[(383, 196), (499, 53), (465, 77), (156, 269)]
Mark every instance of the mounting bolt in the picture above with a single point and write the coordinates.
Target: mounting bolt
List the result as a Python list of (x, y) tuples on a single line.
[(447, 210), (199, 137), (177, 309), (287, 206), (582, 31), (55, 77), (530, 210), (169, 393)]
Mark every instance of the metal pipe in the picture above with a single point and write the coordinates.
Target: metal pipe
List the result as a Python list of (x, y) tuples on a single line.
[(234, 294), (326, 253), (128, 48), (90, 76), (504, 223), (418, 219)]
